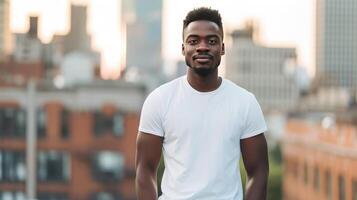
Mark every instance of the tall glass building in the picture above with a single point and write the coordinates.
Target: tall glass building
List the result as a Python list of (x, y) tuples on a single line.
[(336, 42), (144, 26)]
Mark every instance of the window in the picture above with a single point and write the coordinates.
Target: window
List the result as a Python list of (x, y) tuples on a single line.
[(65, 122), (328, 185), (52, 196), (7, 121), (20, 122), (316, 178), (295, 169), (10, 195), (108, 124), (53, 166), (41, 123), (341, 188), (354, 190), (12, 122), (102, 123), (12, 166), (305, 173), (106, 196), (118, 127), (108, 166)]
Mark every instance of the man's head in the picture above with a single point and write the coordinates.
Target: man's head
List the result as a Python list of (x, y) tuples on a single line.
[(203, 40)]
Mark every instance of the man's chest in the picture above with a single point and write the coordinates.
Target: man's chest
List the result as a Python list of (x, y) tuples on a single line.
[(213, 120)]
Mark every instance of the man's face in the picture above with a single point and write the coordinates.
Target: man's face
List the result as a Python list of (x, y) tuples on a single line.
[(202, 46)]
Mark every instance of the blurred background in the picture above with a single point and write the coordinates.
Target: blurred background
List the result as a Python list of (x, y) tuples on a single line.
[(75, 73)]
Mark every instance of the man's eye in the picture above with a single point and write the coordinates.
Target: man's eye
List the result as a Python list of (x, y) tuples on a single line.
[(212, 41), (192, 42)]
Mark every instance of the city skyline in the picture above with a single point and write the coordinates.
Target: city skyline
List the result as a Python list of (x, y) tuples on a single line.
[(295, 29)]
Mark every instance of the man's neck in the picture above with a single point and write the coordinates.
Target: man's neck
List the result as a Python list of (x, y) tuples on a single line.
[(204, 84)]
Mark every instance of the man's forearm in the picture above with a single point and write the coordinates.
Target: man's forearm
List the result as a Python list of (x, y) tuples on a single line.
[(256, 186), (146, 185)]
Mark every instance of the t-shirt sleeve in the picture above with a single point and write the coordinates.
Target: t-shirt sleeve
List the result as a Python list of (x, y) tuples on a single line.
[(151, 116), (254, 120)]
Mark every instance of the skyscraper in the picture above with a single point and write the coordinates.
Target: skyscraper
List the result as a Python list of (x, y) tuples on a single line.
[(261, 70), (143, 33), (336, 42), (78, 38)]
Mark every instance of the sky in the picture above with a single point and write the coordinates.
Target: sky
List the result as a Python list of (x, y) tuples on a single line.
[(286, 23)]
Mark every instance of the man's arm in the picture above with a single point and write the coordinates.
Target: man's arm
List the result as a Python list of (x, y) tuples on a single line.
[(255, 157), (148, 153)]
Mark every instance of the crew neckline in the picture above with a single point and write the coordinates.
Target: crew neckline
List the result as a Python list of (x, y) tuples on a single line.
[(187, 85)]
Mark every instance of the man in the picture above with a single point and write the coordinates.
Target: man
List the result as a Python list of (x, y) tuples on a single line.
[(201, 123)]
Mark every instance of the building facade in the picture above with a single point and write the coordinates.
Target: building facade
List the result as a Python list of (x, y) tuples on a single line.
[(5, 34), (85, 141), (28, 46), (336, 42), (320, 159), (261, 70), (26, 61), (69, 52), (17, 74)]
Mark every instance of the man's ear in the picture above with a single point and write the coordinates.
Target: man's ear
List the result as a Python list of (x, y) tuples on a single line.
[(223, 50), (183, 50)]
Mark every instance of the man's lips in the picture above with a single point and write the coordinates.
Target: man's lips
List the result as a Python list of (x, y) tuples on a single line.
[(202, 58)]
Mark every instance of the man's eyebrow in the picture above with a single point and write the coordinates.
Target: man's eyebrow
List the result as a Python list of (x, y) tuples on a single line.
[(207, 36), (192, 35)]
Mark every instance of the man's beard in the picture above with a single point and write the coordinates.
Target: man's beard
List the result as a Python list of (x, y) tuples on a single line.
[(202, 72)]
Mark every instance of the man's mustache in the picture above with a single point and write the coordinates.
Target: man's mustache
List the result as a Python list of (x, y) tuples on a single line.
[(202, 55)]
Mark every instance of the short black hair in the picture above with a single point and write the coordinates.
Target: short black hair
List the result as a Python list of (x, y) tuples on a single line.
[(203, 13)]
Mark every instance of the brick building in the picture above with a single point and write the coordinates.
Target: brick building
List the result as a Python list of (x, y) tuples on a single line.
[(320, 157), (85, 141), (13, 73)]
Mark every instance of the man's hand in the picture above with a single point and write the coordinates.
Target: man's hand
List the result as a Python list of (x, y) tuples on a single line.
[(148, 153), (255, 157)]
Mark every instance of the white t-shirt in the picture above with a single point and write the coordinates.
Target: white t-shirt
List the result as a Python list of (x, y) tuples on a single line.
[(202, 132)]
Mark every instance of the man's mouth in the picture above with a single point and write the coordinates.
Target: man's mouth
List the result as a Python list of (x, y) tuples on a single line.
[(202, 58)]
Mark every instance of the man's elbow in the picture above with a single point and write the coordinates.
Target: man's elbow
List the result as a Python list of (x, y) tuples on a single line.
[(263, 171), (264, 174), (144, 177), (259, 173)]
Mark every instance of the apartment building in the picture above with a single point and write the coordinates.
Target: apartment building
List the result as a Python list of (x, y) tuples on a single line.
[(320, 157), (85, 140)]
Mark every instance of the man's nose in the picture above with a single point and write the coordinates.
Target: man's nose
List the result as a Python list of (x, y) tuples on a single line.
[(202, 46)]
